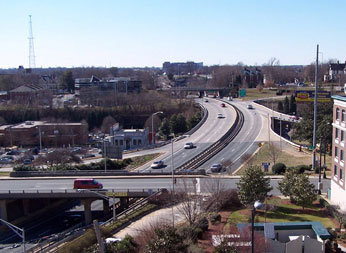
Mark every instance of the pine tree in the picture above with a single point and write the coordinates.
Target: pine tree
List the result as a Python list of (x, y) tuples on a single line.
[(253, 185), (293, 105), (280, 106), (286, 106), (164, 128)]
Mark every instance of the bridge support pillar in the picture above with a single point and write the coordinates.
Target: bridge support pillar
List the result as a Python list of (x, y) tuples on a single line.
[(124, 203), (3, 209), (26, 207), (87, 210), (106, 208), (201, 94)]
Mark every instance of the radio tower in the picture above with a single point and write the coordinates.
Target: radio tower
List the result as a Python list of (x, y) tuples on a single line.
[(31, 46)]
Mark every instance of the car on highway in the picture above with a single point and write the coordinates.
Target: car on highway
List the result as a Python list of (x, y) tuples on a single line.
[(230, 99), (86, 183), (249, 107), (157, 164), (188, 145), (219, 116), (216, 167), (294, 117), (223, 105)]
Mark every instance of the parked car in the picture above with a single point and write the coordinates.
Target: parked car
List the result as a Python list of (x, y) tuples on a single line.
[(249, 107), (206, 100), (219, 116), (5, 160), (223, 105), (230, 99), (157, 164), (27, 162), (216, 167), (86, 183), (188, 145)]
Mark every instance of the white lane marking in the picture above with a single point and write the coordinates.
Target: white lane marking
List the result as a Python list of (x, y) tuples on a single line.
[(222, 159), (249, 145)]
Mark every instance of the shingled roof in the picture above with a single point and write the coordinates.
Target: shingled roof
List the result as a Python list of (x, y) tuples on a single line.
[(29, 88)]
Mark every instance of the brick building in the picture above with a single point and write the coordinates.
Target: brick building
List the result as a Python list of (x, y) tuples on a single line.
[(31, 94), (32, 133), (338, 190)]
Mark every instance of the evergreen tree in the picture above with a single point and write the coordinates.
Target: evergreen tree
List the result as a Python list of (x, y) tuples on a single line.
[(280, 106), (67, 81), (164, 129), (253, 185), (193, 121), (293, 105), (173, 124), (286, 106), (182, 127)]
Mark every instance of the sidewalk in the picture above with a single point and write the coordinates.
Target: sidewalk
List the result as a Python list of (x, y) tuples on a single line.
[(159, 217)]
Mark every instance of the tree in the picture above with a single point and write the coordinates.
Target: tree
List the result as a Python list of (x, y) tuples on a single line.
[(298, 188), (253, 185), (107, 123), (67, 81), (167, 240), (193, 121), (177, 124), (293, 105), (286, 105), (126, 245), (273, 153), (280, 106), (164, 129)]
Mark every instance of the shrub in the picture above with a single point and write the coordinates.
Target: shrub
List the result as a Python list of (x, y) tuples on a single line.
[(303, 168), (279, 168), (202, 223), (214, 218), (189, 232)]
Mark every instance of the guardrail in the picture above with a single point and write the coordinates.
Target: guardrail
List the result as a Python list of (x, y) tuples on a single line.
[(201, 158), (53, 243)]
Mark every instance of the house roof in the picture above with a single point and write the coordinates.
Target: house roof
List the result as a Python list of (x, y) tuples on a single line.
[(337, 66), (28, 88)]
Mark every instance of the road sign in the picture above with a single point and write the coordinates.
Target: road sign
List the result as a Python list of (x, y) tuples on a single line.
[(266, 166), (242, 92), (259, 145)]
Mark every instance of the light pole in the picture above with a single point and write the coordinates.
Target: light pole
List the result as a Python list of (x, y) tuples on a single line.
[(104, 197), (104, 152), (40, 136), (256, 205), (16, 229), (152, 127)]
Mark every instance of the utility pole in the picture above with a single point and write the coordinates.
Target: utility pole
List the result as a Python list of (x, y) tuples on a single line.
[(315, 115), (32, 63)]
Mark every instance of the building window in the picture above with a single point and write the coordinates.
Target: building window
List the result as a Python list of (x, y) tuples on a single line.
[(335, 170), (116, 143), (336, 153), (336, 133), (135, 142), (139, 142), (341, 174), (342, 135), (337, 113), (343, 116), (121, 142), (341, 155)]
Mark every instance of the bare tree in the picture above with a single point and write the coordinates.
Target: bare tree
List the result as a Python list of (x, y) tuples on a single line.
[(189, 201), (107, 123), (273, 153)]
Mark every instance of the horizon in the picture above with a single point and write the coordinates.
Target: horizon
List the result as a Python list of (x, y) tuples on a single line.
[(140, 34)]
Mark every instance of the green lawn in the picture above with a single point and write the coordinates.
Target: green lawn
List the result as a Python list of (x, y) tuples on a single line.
[(283, 212), (140, 160), (253, 93), (4, 174)]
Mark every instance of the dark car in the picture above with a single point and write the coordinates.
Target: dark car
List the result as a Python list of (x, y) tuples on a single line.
[(216, 167)]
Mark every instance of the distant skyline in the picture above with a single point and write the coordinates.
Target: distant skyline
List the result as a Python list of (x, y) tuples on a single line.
[(139, 33)]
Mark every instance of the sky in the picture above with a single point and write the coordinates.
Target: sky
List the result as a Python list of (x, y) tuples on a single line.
[(139, 33)]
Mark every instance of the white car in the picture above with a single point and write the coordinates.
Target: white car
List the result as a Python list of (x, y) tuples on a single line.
[(188, 145), (157, 164), (219, 116), (249, 107)]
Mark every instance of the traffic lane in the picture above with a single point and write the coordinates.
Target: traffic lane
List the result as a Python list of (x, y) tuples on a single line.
[(142, 183), (208, 135), (244, 143)]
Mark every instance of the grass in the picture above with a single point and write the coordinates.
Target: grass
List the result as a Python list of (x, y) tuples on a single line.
[(252, 94), (263, 156), (284, 212), (4, 173), (140, 160)]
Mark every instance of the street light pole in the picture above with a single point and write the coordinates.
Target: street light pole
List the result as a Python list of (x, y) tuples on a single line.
[(105, 155), (16, 229), (315, 115), (256, 205), (152, 127)]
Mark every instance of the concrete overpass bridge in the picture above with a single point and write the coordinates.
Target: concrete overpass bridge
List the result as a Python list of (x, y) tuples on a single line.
[(201, 91), (15, 204)]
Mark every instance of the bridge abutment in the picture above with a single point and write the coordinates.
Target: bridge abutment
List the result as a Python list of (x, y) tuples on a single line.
[(3, 209), (87, 210)]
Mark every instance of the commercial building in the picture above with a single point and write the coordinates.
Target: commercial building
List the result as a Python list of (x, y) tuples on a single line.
[(338, 190), (181, 68), (46, 134)]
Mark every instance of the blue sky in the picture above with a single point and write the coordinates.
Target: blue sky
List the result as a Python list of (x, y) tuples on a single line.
[(148, 32)]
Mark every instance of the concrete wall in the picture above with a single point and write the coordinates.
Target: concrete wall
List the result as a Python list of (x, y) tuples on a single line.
[(283, 235), (338, 195)]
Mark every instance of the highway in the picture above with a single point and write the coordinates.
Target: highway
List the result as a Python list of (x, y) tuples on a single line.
[(145, 183), (212, 130)]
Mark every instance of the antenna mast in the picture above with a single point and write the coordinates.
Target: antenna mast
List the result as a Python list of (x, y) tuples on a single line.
[(31, 46)]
